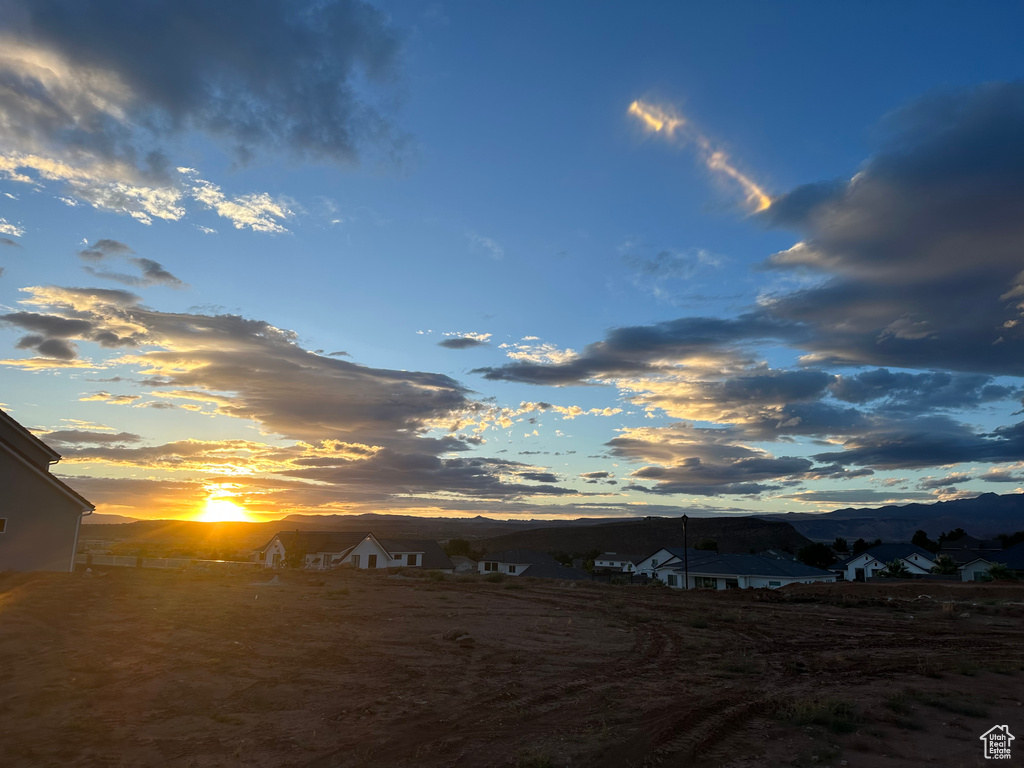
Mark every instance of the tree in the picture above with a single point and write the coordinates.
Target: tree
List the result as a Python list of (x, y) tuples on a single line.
[(840, 545), (921, 539), (295, 557), (1001, 572), (707, 544), (461, 547), (1009, 539), (954, 535), (896, 569), (861, 546), (817, 555), (945, 566)]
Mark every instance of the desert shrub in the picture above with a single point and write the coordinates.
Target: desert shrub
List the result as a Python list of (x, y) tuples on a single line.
[(836, 714), (494, 577)]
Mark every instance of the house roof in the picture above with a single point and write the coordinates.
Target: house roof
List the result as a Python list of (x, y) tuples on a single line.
[(886, 553), (630, 558), (680, 552), (35, 464), (317, 541), (1012, 557), (519, 556), (555, 570), (434, 557), (23, 441), (752, 565)]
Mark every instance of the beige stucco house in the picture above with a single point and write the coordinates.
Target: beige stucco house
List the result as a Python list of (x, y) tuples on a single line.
[(39, 515)]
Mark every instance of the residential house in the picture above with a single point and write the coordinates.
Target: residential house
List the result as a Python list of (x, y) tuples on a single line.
[(40, 516), (710, 570), (860, 567), (968, 548), (323, 550), (647, 566), (463, 564), (977, 569), (527, 562), (617, 561)]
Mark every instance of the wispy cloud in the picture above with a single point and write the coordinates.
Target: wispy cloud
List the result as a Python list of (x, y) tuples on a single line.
[(7, 228), (485, 245), (665, 121)]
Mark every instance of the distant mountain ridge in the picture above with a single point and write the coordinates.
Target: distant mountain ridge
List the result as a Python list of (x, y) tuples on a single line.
[(984, 516)]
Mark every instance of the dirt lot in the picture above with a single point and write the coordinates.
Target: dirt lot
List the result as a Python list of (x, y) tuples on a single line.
[(144, 668)]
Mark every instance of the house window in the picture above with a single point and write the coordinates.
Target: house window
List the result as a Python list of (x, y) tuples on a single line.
[(511, 569), (3, 524), (705, 582), (412, 559), (732, 583), (654, 563), (672, 581), (371, 561), (774, 583), (490, 566), (355, 560), (277, 558), (263, 555)]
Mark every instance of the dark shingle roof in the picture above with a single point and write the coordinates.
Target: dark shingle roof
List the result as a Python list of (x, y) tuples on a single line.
[(886, 553), (317, 541), (1012, 557), (520, 556), (434, 557), (753, 565), (622, 556)]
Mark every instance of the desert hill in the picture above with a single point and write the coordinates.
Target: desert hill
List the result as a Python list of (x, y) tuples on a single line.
[(984, 516)]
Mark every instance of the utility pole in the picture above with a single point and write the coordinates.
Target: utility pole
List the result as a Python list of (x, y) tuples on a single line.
[(686, 557)]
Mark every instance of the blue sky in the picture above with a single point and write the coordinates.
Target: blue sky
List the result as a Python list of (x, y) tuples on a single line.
[(421, 257)]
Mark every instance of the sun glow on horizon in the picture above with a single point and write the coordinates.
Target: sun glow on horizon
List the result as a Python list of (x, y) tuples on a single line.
[(219, 509)]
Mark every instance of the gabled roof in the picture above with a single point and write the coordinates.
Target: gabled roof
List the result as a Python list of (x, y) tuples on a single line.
[(629, 558), (37, 467), (317, 541), (886, 553), (1013, 557), (27, 444), (752, 565), (433, 555), (520, 556), (680, 552)]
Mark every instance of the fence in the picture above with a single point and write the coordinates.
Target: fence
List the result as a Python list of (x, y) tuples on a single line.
[(133, 561)]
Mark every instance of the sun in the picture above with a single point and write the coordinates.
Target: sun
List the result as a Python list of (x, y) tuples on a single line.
[(221, 510)]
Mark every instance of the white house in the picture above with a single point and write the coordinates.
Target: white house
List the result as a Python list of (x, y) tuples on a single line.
[(863, 566), (711, 570), (40, 516), (527, 562), (649, 565), (617, 561), (323, 550), (975, 570)]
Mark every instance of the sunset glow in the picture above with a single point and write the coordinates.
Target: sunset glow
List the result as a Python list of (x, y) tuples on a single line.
[(337, 258), (663, 120), (222, 510)]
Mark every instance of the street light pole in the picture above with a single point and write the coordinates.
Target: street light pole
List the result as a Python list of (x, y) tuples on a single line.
[(686, 557)]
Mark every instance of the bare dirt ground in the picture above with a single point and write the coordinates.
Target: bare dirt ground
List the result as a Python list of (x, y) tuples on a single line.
[(144, 668)]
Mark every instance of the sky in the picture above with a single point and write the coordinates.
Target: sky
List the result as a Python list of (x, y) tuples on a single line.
[(530, 260)]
